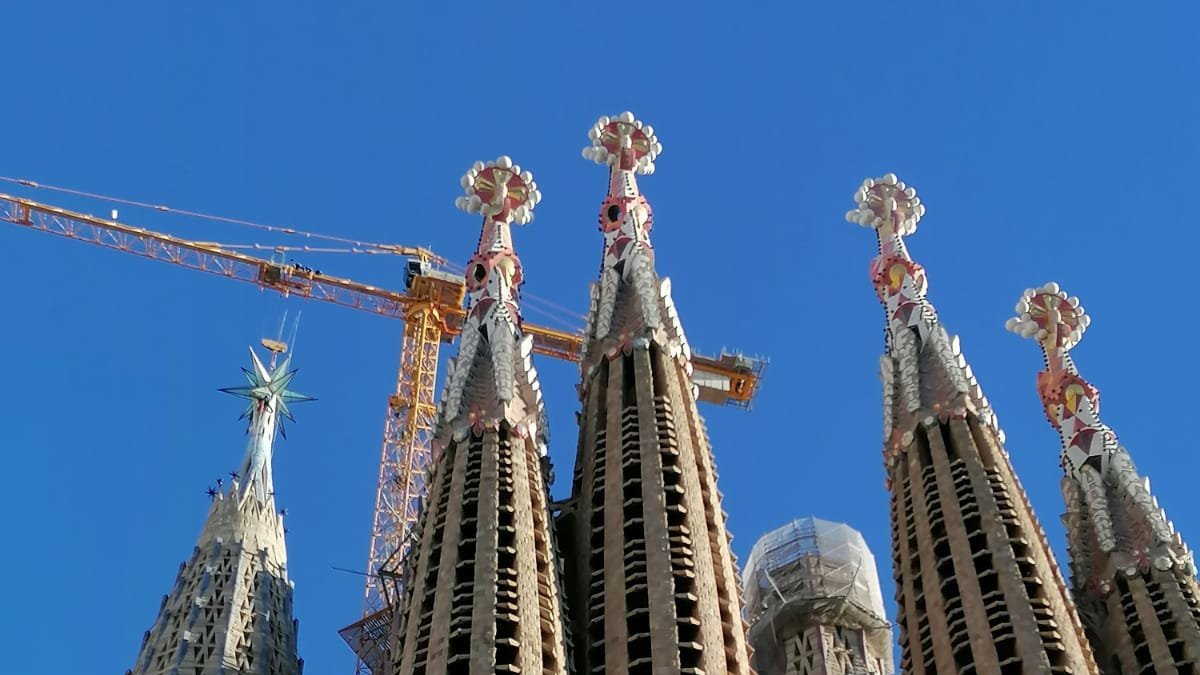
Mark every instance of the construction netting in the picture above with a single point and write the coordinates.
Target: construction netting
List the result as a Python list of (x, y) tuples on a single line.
[(812, 560)]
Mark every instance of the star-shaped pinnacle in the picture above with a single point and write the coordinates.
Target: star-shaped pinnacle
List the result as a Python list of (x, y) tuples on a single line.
[(625, 142), (1049, 316), (498, 189), (267, 389), (887, 201)]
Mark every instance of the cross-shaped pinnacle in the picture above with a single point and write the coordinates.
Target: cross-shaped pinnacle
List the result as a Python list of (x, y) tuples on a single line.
[(888, 205), (1049, 316), (500, 191), (623, 142)]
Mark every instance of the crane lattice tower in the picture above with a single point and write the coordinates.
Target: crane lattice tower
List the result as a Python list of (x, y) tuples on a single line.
[(977, 585)]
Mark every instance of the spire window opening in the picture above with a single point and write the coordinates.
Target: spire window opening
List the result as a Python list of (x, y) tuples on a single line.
[(921, 445), (629, 383)]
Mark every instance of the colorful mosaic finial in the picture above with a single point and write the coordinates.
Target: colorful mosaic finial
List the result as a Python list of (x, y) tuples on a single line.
[(1091, 454), (505, 195), (1048, 315), (888, 205), (623, 142), (893, 210), (500, 191), (1057, 322), (629, 147)]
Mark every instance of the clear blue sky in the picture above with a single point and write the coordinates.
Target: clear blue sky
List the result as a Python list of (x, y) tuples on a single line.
[(1048, 143)]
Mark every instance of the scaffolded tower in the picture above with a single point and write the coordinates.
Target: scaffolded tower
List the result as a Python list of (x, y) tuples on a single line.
[(654, 585), (1133, 577), (483, 593), (977, 585), (230, 612), (812, 594)]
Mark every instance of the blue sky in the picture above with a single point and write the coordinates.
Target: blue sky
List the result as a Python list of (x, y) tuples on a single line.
[(1048, 142)]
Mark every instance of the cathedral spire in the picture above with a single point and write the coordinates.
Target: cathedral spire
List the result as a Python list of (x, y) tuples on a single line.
[(267, 391), (1119, 538), (482, 591), (504, 195), (978, 588), (893, 210), (230, 611), (652, 578), (629, 148)]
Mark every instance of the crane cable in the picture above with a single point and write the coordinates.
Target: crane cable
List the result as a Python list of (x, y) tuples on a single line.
[(206, 216)]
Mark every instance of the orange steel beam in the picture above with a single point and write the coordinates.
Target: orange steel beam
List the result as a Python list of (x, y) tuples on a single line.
[(286, 279), (290, 279)]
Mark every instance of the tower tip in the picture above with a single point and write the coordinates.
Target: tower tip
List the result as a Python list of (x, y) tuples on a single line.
[(625, 142), (499, 189), (887, 202), (1047, 314)]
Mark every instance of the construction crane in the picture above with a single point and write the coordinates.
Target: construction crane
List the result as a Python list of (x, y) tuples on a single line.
[(431, 307)]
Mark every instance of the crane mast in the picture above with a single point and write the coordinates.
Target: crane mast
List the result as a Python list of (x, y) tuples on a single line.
[(431, 307)]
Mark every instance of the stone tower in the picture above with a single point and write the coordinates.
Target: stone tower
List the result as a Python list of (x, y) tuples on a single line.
[(1132, 576), (230, 612), (977, 585), (815, 608), (483, 592), (653, 583)]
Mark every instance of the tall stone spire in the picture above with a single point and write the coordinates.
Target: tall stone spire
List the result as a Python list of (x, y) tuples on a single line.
[(977, 585), (483, 592), (1133, 578), (653, 583), (230, 612)]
